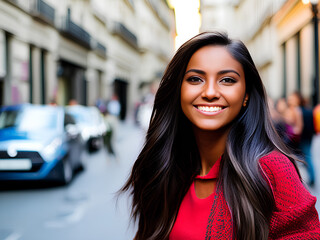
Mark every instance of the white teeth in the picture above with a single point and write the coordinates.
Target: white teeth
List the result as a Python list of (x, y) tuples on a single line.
[(209, 109)]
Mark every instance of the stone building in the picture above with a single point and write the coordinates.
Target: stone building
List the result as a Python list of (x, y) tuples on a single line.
[(279, 35), (82, 49)]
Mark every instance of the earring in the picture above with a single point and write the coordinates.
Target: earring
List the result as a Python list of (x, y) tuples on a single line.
[(245, 102)]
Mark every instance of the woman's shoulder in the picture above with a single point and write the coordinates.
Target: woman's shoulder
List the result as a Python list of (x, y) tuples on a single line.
[(284, 180), (280, 171), (275, 157), (276, 161), (294, 215)]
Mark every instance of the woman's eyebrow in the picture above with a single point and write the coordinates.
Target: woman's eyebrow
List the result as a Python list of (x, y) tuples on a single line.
[(228, 71), (220, 72), (195, 70)]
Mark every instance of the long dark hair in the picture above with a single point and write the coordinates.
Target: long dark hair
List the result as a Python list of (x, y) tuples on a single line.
[(169, 160)]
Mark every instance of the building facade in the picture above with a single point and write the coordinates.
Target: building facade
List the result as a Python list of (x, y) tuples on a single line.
[(279, 35), (82, 49)]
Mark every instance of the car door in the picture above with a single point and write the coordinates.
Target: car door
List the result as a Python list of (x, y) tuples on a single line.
[(74, 141)]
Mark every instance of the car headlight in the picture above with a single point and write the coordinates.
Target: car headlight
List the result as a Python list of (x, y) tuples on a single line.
[(50, 150), (85, 134)]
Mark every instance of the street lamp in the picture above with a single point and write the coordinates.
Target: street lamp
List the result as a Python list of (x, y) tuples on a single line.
[(314, 7)]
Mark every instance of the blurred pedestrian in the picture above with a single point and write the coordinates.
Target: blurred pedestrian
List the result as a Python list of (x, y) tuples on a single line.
[(109, 136), (212, 166), (278, 119), (307, 132), (293, 117), (101, 105), (112, 115), (53, 102), (114, 106), (291, 134), (73, 102)]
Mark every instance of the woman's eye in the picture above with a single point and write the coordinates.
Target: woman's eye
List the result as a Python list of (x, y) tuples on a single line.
[(194, 79), (227, 80)]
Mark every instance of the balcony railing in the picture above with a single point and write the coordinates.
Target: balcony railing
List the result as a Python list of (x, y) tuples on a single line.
[(43, 11), (126, 34), (75, 32), (99, 48)]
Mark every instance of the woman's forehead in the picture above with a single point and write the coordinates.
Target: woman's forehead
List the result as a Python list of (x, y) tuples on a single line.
[(214, 57)]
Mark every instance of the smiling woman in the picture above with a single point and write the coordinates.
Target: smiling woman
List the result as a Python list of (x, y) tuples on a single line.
[(208, 96), (213, 166)]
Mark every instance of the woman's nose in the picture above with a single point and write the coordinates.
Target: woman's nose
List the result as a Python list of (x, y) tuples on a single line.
[(211, 91)]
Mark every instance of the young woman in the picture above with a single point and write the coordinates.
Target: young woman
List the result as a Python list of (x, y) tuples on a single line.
[(213, 166)]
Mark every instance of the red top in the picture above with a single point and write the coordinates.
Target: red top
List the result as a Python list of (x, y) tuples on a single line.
[(294, 216), (192, 219)]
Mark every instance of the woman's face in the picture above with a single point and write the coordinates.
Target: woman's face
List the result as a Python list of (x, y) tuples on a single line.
[(293, 100), (213, 89), (282, 105)]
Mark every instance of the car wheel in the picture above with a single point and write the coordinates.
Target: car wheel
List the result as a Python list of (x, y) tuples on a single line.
[(99, 143), (67, 172), (91, 146), (95, 144)]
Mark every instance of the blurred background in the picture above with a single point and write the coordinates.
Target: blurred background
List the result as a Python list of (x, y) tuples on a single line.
[(89, 69)]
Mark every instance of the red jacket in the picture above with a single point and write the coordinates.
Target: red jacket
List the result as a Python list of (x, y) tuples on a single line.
[(294, 216)]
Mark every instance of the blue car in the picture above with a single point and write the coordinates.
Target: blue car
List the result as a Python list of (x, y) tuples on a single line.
[(39, 142)]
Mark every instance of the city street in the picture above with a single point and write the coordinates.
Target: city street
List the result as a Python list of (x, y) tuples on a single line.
[(110, 57), (87, 208)]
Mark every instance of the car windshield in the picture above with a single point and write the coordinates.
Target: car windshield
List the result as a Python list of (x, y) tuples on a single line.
[(85, 115), (81, 116), (29, 119)]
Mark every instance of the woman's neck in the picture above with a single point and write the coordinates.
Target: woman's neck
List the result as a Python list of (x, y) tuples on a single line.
[(211, 145)]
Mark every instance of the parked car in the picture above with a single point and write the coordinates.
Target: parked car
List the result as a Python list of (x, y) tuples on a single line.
[(91, 124), (38, 143)]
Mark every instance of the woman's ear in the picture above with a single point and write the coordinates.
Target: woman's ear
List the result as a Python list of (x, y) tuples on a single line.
[(245, 100)]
